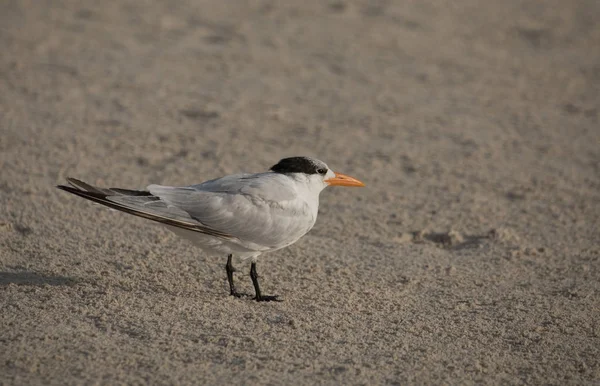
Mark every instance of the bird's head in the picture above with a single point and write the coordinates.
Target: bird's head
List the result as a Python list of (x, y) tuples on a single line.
[(316, 173)]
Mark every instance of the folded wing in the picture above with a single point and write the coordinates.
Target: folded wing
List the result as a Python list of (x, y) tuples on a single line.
[(261, 210), (140, 203)]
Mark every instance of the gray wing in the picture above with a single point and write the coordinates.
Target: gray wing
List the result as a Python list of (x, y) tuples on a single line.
[(258, 208), (140, 203)]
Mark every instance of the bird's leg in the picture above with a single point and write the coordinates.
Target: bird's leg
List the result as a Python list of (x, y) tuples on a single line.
[(259, 297), (230, 270)]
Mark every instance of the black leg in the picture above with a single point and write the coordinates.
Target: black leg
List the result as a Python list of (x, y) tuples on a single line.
[(259, 297), (230, 270)]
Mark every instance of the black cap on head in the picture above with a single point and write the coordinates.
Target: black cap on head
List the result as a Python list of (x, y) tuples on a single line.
[(300, 165)]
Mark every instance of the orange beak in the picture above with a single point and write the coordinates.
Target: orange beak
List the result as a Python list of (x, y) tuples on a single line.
[(343, 180)]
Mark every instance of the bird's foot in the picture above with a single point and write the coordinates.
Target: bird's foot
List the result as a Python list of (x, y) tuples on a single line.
[(267, 298)]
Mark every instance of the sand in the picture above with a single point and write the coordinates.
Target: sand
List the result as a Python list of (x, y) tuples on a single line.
[(472, 256)]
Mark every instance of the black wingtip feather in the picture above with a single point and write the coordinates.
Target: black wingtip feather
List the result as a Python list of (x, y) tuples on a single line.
[(129, 192), (82, 193)]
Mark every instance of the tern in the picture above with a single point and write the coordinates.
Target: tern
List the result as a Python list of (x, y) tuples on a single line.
[(242, 215)]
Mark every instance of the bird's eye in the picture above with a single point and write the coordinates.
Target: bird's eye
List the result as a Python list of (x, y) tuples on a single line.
[(322, 171)]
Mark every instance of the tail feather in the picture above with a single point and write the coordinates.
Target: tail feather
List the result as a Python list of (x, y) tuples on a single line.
[(80, 185), (112, 191), (139, 203)]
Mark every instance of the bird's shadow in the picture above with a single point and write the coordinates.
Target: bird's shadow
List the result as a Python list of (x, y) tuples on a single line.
[(35, 279)]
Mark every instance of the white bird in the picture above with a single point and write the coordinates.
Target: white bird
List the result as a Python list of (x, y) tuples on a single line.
[(242, 214)]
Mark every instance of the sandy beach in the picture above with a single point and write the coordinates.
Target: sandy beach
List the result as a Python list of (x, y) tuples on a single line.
[(472, 256)]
